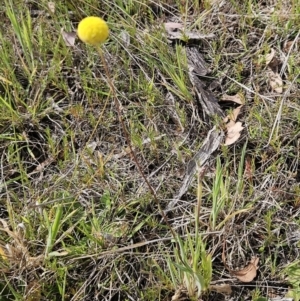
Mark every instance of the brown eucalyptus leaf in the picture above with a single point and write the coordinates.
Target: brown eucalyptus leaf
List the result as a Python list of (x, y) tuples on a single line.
[(248, 273), (234, 98), (235, 113), (233, 133), (232, 116)]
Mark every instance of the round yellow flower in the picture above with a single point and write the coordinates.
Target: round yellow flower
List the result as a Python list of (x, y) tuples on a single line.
[(92, 30)]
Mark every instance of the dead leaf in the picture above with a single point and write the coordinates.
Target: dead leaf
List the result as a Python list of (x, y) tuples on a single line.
[(270, 56), (233, 128), (233, 116), (275, 82), (248, 273), (221, 289), (69, 37), (230, 123), (234, 98), (235, 113), (237, 127), (51, 6), (233, 133)]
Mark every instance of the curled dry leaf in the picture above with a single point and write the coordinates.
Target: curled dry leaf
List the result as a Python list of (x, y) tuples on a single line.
[(232, 116), (275, 82), (234, 98), (233, 128), (233, 133), (248, 273)]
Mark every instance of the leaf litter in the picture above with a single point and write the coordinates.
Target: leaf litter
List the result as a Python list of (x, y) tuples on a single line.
[(231, 122), (233, 133), (246, 274), (233, 127), (234, 98), (274, 78), (275, 81)]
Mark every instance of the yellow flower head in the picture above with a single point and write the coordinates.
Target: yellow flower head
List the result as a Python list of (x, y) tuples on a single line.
[(92, 30)]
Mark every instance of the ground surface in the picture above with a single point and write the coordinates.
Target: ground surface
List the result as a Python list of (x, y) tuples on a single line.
[(173, 201)]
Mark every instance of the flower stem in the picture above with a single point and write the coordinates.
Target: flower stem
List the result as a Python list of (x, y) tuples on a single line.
[(126, 134)]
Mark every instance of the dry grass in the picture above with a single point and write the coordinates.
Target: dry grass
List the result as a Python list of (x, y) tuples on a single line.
[(78, 221)]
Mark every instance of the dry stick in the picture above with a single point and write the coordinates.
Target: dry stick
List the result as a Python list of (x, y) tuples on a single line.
[(117, 104)]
